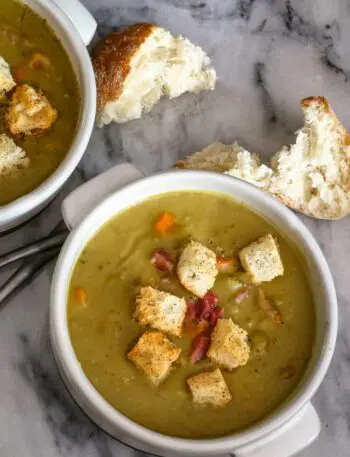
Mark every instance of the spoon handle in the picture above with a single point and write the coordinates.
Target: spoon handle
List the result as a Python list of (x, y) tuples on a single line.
[(25, 273), (49, 242)]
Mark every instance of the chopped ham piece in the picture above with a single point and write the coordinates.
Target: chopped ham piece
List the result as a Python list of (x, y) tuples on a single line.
[(206, 305), (162, 260), (199, 348), (217, 313)]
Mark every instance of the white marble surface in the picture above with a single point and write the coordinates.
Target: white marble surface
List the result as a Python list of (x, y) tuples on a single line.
[(268, 55)]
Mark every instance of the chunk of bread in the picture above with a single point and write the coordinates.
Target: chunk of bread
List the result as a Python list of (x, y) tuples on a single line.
[(209, 388), (197, 269), (311, 176), (29, 112), (229, 346), (6, 81), (160, 310), (12, 157), (226, 158), (154, 354), (261, 259), (135, 67)]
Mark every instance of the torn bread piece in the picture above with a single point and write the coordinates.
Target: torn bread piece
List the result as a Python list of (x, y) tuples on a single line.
[(209, 388), (6, 81), (160, 310), (229, 346), (231, 159), (311, 176), (12, 157), (29, 112), (215, 157), (154, 354), (261, 259), (197, 268), (136, 66)]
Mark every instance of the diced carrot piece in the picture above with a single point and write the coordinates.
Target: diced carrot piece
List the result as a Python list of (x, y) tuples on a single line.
[(226, 263), (80, 295), (164, 222)]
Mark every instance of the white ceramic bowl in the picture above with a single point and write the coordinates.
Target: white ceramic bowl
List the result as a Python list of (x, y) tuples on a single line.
[(75, 27), (288, 428)]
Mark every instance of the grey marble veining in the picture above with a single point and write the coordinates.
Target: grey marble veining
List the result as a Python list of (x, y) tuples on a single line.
[(268, 55)]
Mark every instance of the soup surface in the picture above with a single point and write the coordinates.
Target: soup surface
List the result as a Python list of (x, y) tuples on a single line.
[(109, 273), (23, 34)]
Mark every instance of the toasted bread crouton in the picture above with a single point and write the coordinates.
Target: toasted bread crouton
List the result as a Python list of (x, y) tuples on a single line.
[(197, 268), (261, 259), (12, 157), (229, 346), (154, 354), (6, 80), (29, 112), (209, 388), (160, 310)]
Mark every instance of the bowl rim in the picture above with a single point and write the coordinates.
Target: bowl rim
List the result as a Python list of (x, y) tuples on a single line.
[(68, 363), (87, 87)]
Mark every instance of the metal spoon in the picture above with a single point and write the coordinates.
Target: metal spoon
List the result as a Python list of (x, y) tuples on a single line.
[(49, 242)]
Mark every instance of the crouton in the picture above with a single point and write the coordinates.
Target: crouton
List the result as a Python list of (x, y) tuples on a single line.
[(154, 354), (12, 157), (6, 80), (209, 388), (261, 259), (29, 112), (197, 268), (160, 310), (229, 346)]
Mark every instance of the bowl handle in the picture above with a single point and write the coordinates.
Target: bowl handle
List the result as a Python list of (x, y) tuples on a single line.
[(82, 200), (80, 17), (288, 439)]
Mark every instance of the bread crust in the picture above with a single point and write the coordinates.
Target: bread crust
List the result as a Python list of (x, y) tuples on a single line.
[(111, 59)]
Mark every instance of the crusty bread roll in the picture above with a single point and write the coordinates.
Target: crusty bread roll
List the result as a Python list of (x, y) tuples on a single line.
[(311, 176), (135, 67)]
